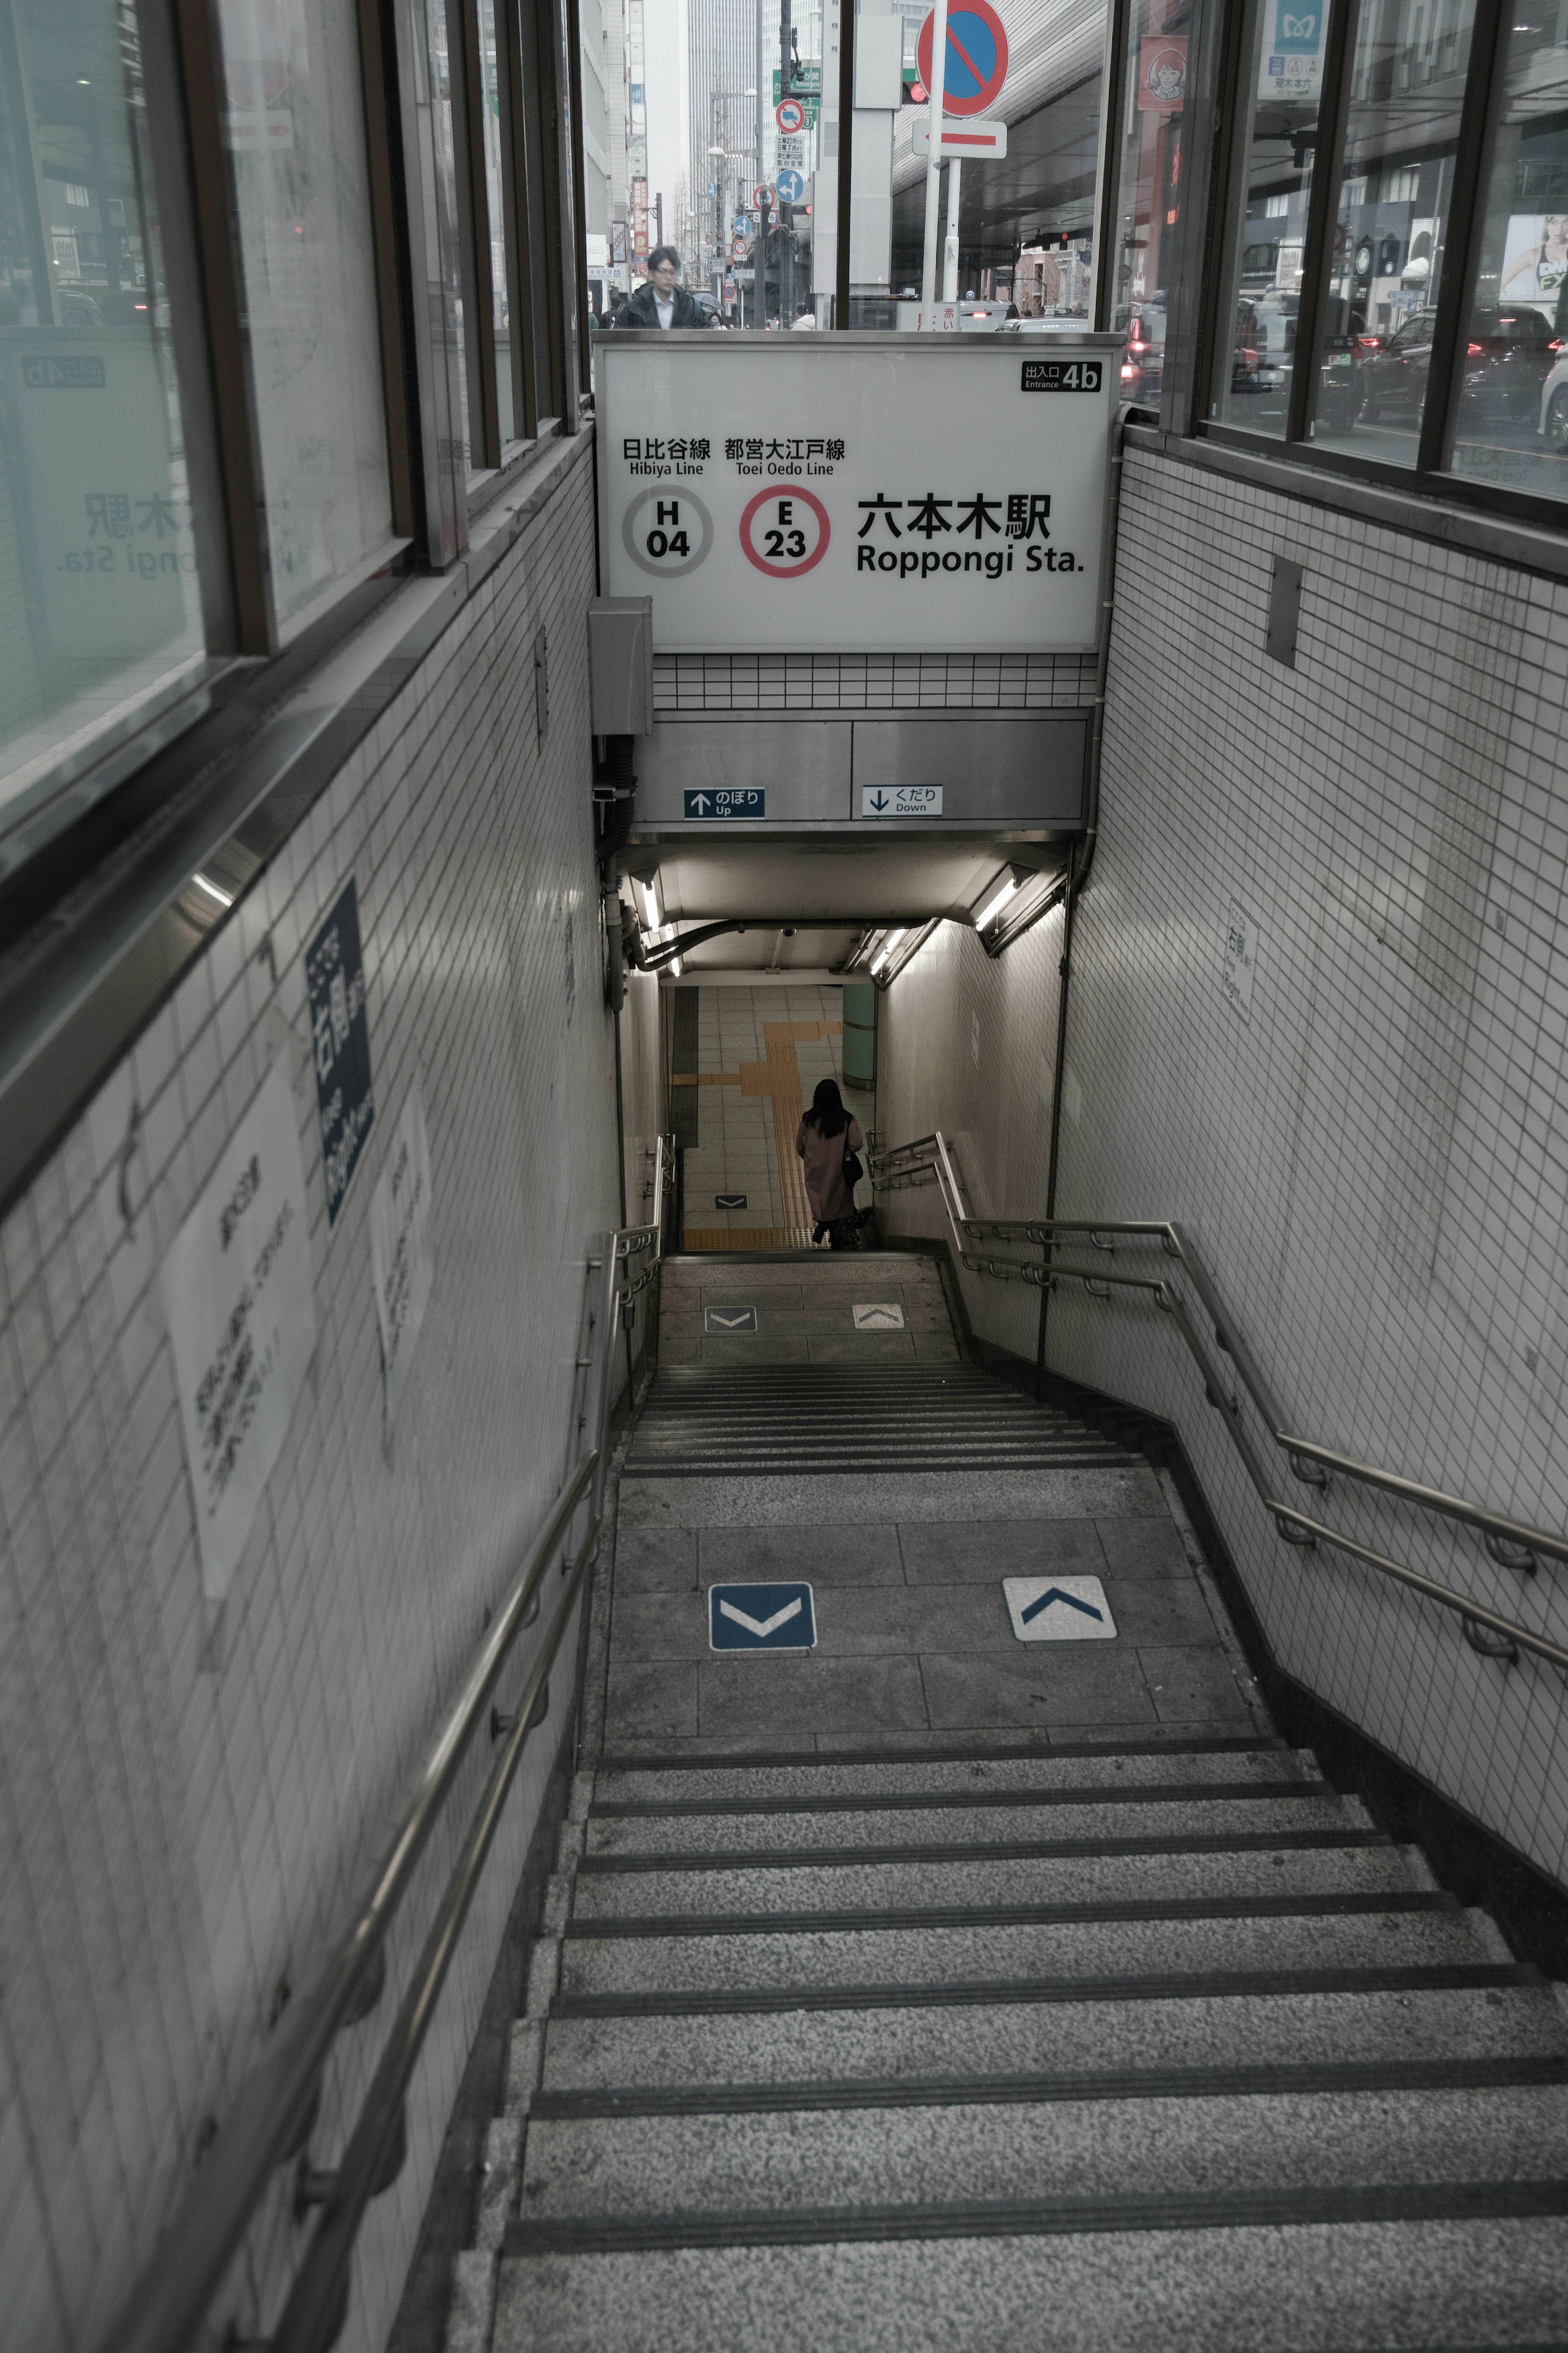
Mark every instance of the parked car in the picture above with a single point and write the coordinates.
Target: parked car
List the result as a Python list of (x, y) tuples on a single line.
[(1508, 358), (1554, 425), (980, 318)]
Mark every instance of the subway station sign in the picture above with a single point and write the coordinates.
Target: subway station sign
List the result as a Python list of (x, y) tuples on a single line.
[(866, 493)]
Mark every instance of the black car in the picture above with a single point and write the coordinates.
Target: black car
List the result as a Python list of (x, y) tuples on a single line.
[(1507, 361)]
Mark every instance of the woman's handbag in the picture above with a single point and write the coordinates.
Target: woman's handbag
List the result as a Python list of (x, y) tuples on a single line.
[(853, 1169)]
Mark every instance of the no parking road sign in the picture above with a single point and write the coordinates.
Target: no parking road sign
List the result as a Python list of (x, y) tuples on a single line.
[(976, 62), (760, 1618)]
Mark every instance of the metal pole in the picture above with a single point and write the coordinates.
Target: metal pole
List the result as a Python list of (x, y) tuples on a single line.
[(846, 158), (933, 160), (950, 248), (759, 242)]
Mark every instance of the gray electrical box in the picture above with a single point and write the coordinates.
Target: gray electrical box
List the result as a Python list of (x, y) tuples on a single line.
[(620, 665)]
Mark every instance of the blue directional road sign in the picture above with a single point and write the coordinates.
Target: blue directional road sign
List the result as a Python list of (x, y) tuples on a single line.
[(726, 801), (791, 186), (760, 1618), (729, 1319), (1059, 1610)]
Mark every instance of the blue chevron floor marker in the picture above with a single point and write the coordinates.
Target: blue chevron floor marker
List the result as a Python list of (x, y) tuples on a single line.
[(1059, 1610)]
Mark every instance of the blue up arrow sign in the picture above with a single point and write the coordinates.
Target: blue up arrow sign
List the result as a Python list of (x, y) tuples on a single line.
[(1059, 1610)]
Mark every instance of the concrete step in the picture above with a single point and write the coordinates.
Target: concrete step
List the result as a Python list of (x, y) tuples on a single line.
[(806, 1781), (939, 1955), (849, 2034), (919, 1884), (1368, 2129), (1099, 2284), (1175, 1810)]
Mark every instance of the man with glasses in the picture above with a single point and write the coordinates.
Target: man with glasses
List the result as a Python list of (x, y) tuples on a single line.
[(659, 301)]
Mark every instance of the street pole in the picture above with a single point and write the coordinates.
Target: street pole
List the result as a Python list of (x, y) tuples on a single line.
[(933, 160), (786, 256), (759, 242), (950, 248)]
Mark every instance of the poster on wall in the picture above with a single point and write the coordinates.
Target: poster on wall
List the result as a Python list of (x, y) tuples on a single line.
[(242, 1324), (402, 1258), (928, 491), (340, 1044), (1535, 261)]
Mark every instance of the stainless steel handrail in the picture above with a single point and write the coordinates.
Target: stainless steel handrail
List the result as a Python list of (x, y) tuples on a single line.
[(1512, 1544), (273, 2111)]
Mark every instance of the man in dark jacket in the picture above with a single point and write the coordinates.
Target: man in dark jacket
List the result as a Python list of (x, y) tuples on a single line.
[(659, 301)]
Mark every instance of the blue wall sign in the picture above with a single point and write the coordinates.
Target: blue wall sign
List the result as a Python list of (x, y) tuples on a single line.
[(340, 1044), (760, 1618)]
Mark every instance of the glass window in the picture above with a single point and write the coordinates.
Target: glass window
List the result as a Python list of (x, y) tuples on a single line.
[(500, 297), (1407, 84), (1283, 92), (1146, 156), (100, 602), (295, 131), (1513, 402)]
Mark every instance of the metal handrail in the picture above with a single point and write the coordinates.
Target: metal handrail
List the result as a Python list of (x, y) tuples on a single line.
[(275, 2107), (1512, 1544)]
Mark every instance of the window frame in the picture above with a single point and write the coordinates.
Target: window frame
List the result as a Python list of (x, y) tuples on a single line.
[(85, 793), (1474, 147)]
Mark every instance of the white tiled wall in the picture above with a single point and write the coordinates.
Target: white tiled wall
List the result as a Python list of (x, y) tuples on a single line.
[(191, 1795), (1372, 1161)]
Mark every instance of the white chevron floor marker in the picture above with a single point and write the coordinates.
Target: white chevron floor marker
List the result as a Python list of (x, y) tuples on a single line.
[(762, 1627), (730, 1319), (781, 1618), (878, 1316)]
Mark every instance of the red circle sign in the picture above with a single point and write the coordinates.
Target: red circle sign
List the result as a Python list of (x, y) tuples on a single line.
[(790, 116), (785, 530), (976, 63)]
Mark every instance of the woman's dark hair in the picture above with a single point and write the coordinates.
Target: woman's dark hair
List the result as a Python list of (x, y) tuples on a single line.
[(827, 1114)]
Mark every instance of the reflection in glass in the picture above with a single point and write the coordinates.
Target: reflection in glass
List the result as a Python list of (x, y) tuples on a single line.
[(1146, 157), (98, 563), (495, 203), (1408, 82), (1284, 88), (295, 131), (1513, 410)]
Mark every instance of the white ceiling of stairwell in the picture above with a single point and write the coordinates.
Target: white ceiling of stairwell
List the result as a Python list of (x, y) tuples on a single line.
[(904, 878)]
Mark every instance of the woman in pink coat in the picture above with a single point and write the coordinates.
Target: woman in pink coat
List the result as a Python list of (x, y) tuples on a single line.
[(827, 1136)]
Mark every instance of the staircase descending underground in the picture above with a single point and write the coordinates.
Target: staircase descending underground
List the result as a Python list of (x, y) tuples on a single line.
[(1122, 2046)]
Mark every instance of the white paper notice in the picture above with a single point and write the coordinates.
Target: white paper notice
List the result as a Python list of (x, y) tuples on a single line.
[(236, 1291), (402, 1259)]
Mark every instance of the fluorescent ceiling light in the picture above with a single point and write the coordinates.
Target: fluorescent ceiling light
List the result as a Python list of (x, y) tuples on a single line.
[(886, 950), (994, 909), (223, 898), (647, 900), (675, 966)]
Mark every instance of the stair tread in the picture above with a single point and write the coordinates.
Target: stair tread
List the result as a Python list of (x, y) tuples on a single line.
[(1229, 2289), (940, 1954), (952, 1826), (1105, 2147), (809, 1780), (925, 2032), (1271, 1868)]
